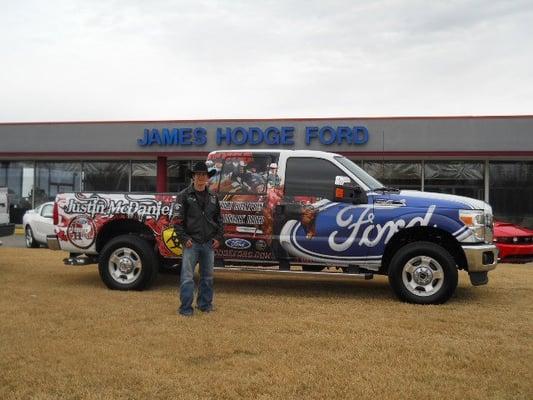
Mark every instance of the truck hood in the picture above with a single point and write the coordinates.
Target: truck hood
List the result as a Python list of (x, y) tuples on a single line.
[(418, 199)]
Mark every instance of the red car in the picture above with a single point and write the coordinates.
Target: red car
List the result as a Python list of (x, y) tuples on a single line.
[(514, 242)]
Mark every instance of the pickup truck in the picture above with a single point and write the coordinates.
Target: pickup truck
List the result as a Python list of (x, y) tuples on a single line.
[(6, 228), (290, 212)]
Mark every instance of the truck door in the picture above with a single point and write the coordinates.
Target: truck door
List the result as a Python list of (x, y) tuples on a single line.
[(242, 183), (313, 226)]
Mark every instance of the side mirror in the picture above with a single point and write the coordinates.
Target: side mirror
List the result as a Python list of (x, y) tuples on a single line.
[(341, 180), (347, 192)]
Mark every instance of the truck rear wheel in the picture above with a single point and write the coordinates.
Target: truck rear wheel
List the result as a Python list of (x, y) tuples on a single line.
[(423, 273), (128, 262)]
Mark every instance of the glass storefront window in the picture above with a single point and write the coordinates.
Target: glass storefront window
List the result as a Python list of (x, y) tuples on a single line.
[(106, 176), (374, 168), (32, 183), (455, 177), (144, 176), (3, 173), (177, 177), (511, 191), (400, 174), (55, 177)]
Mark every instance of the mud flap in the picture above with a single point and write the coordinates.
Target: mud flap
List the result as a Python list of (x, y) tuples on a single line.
[(478, 278)]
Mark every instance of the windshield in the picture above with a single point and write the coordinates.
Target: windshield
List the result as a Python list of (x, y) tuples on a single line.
[(359, 173)]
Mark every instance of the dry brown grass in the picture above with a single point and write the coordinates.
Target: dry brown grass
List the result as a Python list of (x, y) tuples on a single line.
[(64, 335)]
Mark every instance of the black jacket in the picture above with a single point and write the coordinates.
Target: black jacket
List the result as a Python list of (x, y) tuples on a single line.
[(199, 225)]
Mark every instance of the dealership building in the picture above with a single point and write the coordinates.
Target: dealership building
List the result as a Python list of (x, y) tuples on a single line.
[(488, 158)]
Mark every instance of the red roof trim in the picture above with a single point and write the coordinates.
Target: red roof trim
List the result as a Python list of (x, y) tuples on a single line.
[(439, 153), (422, 154), (105, 154), (273, 119)]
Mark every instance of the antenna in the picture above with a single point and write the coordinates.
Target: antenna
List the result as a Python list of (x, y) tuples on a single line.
[(383, 153)]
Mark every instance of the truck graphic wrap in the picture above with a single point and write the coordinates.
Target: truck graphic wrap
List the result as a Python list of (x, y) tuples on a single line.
[(285, 208), (317, 231), (249, 189), (85, 214), (347, 234)]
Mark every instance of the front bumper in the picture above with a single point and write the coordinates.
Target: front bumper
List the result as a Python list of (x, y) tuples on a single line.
[(481, 258), (515, 252), (52, 242)]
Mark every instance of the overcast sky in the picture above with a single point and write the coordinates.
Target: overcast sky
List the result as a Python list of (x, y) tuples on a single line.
[(162, 59)]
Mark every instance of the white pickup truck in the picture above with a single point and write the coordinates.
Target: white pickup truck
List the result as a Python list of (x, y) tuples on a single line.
[(290, 212), (6, 228)]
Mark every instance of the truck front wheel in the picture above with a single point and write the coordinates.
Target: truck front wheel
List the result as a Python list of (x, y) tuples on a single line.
[(128, 262), (423, 273)]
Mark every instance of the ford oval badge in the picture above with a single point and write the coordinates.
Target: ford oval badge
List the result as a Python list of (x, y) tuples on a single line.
[(238, 244)]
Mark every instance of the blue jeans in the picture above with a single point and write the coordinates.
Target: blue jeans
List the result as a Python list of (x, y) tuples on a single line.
[(203, 254)]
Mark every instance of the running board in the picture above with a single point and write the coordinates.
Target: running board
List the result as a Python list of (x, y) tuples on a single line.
[(272, 271), (80, 260)]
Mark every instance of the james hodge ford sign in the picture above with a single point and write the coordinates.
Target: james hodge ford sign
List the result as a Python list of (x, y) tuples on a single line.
[(253, 136)]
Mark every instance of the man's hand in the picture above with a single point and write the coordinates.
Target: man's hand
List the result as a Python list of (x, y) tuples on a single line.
[(215, 244), (188, 243)]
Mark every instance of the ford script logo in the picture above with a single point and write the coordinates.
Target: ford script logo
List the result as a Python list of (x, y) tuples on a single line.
[(238, 244)]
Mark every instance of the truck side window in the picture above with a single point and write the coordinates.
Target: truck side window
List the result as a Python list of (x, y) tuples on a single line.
[(245, 175), (311, 177)]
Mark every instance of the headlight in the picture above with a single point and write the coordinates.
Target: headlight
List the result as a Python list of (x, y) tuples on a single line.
[(479, 226)]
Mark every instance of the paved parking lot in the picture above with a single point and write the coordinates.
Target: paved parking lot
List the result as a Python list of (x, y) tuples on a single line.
[(13, 241)]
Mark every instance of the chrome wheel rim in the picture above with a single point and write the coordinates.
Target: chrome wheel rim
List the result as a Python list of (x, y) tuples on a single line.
[(29, 239), (124, 265), (423, 276)]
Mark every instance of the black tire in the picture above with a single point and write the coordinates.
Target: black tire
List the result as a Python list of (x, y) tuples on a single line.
[(423, 273), (135, 253), (31, 243)]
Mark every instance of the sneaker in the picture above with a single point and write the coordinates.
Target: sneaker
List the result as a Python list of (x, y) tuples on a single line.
[(207, 309), (185, 314)]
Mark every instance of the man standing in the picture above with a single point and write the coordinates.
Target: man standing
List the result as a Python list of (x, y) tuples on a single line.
[(200, 232)]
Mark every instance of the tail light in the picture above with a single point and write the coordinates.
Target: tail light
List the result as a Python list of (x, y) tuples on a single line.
[(55, 214)]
